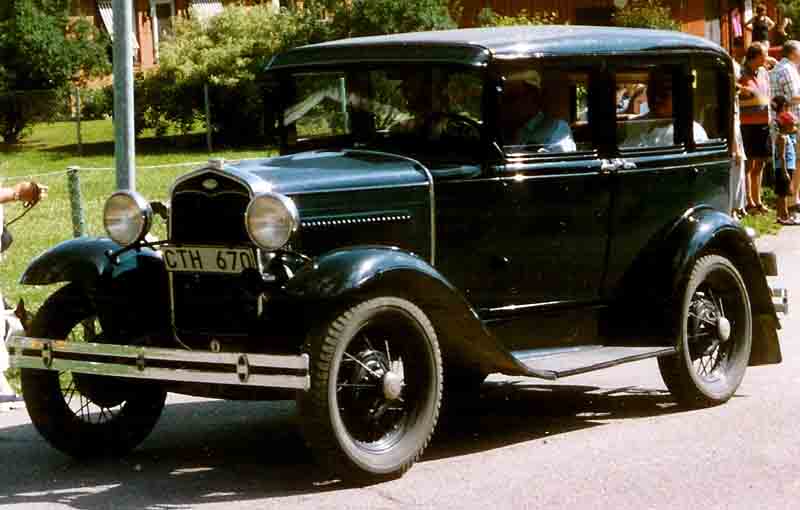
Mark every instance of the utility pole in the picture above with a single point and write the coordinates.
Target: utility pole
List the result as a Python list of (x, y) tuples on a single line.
[(124, 140)]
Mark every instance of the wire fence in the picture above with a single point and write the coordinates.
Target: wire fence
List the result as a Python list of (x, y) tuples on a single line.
[(20, 109)]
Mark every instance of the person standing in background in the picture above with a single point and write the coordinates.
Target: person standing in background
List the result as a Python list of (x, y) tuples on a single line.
[(760, 25), (784, 81), (754, 97), (738, 193), (29, 193)]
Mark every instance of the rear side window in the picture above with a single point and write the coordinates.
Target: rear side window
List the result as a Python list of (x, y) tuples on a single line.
[(645, 108), (710, 104)]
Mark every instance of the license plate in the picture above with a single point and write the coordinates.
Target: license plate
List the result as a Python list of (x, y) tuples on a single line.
[(207, 259)]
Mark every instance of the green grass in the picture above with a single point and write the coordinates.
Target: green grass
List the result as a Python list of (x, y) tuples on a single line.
[(53, 148)]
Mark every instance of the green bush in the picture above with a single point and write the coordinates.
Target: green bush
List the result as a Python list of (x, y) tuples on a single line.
[(97, 104), (488, 18), (231, 50), (376, 17), (228, 53), (646, 14)]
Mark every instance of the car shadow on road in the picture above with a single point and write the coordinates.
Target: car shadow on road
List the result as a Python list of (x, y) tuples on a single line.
[(217, 451)]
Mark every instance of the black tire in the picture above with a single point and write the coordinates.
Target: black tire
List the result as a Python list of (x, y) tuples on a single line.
[(352, 424), (111, 415), (709, 367)]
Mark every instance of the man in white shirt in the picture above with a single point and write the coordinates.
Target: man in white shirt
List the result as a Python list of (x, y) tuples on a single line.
[(659, 128), (526, 122)]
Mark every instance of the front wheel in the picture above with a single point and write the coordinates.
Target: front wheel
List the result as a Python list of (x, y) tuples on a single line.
[(85, 415), (376, 389), (715, 335)]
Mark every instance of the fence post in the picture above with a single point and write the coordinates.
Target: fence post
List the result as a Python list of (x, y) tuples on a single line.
[(208, 117), (78, 119), (75, 202)]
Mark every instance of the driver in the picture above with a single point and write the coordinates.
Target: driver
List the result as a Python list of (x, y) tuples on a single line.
[(525, 121)]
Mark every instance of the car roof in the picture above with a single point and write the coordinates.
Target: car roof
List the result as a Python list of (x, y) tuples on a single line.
[(476, 46)]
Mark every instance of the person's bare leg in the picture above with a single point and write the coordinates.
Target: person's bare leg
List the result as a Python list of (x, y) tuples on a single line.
[(748, 175), (758, 173)]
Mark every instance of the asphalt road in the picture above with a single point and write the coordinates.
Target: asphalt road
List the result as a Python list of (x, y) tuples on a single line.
[(611, 439)]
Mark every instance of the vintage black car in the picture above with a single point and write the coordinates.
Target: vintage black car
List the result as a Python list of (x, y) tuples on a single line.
[(534, 202)]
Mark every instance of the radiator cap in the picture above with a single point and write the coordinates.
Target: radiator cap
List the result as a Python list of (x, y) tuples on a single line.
[(216, 163)]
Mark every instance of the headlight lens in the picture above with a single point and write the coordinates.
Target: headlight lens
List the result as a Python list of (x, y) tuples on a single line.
[(127, 217), (271, 219)]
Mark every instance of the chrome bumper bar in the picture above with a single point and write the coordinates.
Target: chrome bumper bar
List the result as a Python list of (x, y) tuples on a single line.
[(239, 369)]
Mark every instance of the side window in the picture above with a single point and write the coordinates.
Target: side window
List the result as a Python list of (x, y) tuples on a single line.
[(645, 115), (710, 108), (544, 110)]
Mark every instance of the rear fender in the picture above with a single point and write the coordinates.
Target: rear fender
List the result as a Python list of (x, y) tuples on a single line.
[(652, 290), (343, 275)]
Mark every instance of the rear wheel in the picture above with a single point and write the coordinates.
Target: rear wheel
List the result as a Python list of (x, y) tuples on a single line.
[(85, 415), (376, 386), (715, 335)]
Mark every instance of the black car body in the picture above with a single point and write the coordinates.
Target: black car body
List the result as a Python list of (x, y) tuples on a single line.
[(417, 233)]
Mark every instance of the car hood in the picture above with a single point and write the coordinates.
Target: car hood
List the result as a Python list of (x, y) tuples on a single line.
[(325, 171)]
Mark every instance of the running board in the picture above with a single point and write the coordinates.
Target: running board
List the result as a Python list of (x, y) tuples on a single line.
[(153, 363), (562, 362)]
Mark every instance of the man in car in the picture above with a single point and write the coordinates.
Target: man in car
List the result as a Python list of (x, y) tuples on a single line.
[(526, 122), (659, 130)]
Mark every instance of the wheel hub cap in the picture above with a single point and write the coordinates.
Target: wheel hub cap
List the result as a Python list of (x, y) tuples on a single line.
[(723, 329), (392, 385)]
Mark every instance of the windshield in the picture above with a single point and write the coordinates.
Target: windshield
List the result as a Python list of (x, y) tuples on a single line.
[(429, 112)]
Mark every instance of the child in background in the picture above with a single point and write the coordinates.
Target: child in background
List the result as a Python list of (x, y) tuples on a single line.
[(785, 157)]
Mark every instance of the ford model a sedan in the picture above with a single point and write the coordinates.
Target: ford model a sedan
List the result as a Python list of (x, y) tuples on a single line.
[(534, 202)]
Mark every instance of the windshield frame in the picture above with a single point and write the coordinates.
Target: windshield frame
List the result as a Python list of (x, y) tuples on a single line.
[(284, 78)]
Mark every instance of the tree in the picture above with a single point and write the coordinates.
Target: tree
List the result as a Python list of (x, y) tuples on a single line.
[(41, 54), (646, 14)]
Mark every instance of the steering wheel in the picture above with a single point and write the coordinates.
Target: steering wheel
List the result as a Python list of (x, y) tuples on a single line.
[(455, 125)]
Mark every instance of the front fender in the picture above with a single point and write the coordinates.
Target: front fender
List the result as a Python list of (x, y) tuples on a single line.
[(130, 294), (77, 260), (345, 273)]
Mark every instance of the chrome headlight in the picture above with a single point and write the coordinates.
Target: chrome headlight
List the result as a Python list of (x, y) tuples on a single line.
[(127, 217), (271, 219)]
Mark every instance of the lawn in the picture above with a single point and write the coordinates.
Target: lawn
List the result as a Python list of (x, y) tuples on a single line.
[(49, 150)]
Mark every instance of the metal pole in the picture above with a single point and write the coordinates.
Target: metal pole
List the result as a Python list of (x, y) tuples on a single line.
[(124, 148), (75, 202), (78, 119), (208, 117)]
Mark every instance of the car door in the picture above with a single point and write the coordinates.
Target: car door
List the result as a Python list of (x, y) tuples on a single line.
[(533, 231), (668, 160)]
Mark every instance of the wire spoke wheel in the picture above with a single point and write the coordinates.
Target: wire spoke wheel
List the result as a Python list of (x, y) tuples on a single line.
[(376, 386), (715, 335), (85, 415)]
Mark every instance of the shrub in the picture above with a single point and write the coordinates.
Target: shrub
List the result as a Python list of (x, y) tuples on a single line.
[(488, 18), (646, 14), (231, 50), (376, 17)]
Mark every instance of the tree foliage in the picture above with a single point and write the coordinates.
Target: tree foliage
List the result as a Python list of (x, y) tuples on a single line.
[(41, 53), (488, 18), (646, 14), (230, 51)]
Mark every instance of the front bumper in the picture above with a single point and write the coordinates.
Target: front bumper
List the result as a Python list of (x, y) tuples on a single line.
[(175, 365)]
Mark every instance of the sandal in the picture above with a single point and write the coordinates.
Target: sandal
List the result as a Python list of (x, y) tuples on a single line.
[(762, 208), (787, 221)]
